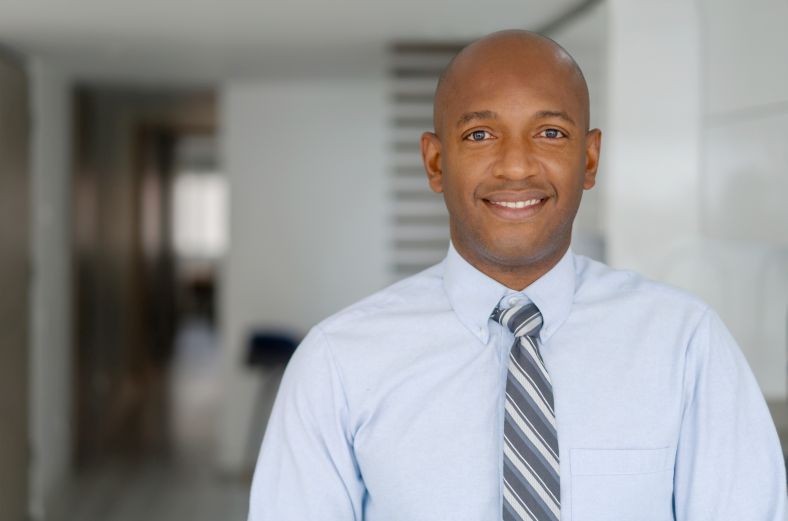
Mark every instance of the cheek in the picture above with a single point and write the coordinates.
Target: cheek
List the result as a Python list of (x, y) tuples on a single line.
[(468, 171), (568, 176), (457, 198), (458, 181)]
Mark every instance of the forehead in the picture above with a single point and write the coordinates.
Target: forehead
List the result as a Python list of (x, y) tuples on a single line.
[(514, 83)]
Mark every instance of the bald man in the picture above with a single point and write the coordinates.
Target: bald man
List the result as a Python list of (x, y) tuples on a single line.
[(517, 380)]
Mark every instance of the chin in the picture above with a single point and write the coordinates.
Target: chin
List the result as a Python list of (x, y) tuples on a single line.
[(523, 252), (505, 248)]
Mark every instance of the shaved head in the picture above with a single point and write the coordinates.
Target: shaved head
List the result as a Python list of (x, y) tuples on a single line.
[(503, 52)]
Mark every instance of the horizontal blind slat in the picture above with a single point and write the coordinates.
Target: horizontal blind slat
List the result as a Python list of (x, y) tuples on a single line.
[(420, 222)]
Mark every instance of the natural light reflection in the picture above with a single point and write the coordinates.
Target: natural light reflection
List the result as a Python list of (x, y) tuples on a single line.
[(200, 215)]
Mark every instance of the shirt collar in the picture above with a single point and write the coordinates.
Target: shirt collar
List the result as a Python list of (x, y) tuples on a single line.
[(553, 293), (473, 295)]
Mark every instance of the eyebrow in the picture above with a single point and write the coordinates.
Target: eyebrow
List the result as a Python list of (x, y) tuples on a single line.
[(560, 114), (478, 114)]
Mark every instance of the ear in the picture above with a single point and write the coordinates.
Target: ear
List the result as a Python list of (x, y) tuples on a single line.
[(593, 142), (431, 155)]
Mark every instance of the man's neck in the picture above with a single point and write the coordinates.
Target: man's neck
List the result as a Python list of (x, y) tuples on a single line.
[(518, 275)]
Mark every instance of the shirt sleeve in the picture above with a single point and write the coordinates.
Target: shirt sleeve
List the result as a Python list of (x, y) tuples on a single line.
[(306, 468), (729, 464)]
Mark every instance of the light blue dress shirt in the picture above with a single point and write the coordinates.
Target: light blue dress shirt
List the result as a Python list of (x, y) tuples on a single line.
[(392, 409)]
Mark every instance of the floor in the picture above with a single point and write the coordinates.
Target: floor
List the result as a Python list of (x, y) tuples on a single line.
[(184, 485)]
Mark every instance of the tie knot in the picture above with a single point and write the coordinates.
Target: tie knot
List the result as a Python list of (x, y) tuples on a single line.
[(522, 320)]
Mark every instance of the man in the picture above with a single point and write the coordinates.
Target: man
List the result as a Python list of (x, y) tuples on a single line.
[(516, 380)]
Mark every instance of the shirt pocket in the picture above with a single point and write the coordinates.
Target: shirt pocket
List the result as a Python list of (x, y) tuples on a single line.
[(622, 484)]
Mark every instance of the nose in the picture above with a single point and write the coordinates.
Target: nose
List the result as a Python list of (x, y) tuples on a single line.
[(516, 159)]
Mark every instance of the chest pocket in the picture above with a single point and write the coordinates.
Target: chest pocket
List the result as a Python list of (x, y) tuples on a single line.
[(622, 484)]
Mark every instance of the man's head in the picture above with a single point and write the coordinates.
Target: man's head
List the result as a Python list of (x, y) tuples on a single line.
[(511, 153)]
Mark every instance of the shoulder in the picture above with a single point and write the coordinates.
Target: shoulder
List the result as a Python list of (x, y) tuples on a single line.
[(350, 332), (598, 282), (365, 341), (645, 312), (402, 302), (636, 303)]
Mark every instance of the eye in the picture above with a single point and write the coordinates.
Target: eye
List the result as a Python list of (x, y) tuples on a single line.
[(552, 133), (478, 135)]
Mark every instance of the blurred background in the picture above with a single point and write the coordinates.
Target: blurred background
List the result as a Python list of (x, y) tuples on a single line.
[(186, 187)]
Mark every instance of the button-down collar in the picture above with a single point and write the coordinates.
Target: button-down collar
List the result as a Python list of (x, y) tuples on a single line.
[(473, 295)]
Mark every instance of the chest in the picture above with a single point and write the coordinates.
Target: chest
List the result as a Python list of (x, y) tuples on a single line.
[(429, 443)]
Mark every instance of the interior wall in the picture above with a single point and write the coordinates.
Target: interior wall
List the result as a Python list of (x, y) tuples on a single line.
[(305, 161), (696, 156), (745, 129), (653, 138), (744, 176), (15, 275), (50, 342)]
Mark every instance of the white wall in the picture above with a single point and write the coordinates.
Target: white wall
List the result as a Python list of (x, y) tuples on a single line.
[(745, 48), (51, 365), (306, 167), (745, 174), (653, 139), (697, 161)]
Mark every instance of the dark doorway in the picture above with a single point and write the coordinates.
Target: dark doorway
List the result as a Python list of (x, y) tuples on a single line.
[(127, 289)]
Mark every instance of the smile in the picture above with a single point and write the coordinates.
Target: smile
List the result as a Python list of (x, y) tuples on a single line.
[(514, 207), (517, 204)]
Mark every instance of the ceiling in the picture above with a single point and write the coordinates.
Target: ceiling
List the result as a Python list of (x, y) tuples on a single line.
[(205, 40)]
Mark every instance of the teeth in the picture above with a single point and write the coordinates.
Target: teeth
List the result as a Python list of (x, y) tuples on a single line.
[(517, 204)]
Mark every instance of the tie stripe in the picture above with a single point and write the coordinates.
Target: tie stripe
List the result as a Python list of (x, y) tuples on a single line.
[(531, 478), (541, 376), (531, 436), (534, 423), (546, 491), (537, 462), (516, 506), (541, 396)]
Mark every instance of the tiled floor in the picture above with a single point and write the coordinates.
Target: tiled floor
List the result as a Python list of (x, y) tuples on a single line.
[(183, 486)]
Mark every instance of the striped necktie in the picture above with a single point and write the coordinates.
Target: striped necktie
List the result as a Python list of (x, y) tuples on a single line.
[(531, 485)]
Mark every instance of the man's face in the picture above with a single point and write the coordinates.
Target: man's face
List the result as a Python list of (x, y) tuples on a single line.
[(512, 159)]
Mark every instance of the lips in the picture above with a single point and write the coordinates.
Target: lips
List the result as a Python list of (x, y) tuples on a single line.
[(515, 206)]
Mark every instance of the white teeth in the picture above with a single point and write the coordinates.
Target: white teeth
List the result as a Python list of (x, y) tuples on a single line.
[(517, 204)]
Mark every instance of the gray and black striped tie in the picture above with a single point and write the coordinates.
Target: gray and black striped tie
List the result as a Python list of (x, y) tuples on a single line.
[(531, 485)]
